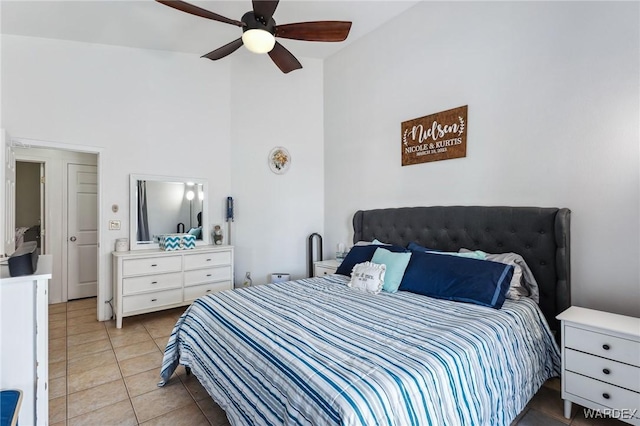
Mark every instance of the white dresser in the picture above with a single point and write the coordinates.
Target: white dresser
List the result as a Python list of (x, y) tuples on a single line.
[(151, 280), (601, 363), (24, 339), (325, 267)]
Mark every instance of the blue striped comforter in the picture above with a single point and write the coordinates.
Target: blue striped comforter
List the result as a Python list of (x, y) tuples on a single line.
[(316, 352)]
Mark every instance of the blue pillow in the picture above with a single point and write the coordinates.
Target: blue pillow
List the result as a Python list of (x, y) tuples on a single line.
[(458, 278), (196, 232), (480, 255), (396, 264), (359, 254)]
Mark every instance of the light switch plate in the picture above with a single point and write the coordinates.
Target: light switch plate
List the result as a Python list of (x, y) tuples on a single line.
[(114, 225)]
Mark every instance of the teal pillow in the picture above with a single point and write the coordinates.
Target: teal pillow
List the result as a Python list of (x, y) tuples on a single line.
[(396, 263), (479, 255)]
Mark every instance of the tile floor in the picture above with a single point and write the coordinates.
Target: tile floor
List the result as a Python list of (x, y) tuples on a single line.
[(101, 375)]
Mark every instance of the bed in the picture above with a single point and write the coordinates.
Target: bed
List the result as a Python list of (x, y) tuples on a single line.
[(314, 351)]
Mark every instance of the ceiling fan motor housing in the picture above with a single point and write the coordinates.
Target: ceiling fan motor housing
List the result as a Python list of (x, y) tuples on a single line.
[(254, 22)]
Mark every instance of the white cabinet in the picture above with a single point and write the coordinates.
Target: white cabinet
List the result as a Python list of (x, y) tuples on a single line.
[(24, 339), (325, 267), (151, 280), (601, 362)]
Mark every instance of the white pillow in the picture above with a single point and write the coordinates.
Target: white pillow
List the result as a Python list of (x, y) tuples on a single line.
[(368, 276)]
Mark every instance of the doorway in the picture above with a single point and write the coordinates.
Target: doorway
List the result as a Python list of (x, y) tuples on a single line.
[(68, 218)]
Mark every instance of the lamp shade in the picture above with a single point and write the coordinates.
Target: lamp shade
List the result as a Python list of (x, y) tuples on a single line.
[(258, 41)]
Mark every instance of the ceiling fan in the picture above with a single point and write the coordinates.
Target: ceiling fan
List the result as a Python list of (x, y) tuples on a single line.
[(259, 31)]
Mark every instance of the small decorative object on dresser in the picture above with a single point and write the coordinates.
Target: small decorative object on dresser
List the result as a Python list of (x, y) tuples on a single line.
[(325, 267), (152, 280), (601, 363)]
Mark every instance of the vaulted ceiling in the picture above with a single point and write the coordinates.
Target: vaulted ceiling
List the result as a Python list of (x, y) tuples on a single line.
[(151, 25)]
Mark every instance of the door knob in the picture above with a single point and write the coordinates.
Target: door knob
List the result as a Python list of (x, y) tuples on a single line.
[(72, 239)]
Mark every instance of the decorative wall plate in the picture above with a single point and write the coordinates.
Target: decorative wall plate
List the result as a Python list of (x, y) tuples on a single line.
[(279, 160)]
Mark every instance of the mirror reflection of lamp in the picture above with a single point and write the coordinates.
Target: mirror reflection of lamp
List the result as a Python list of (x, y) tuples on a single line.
[(190, 195)]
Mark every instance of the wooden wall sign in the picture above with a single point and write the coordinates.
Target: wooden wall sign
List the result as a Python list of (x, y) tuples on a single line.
[(435, 137)]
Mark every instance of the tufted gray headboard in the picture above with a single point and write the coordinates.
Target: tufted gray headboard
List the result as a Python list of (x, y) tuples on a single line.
[(539, 235)]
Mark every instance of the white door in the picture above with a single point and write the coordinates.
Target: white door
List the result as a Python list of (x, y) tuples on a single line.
[(82, 231), (7, 195)]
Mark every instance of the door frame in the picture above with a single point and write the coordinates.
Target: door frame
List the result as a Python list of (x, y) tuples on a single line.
[(101, 261)]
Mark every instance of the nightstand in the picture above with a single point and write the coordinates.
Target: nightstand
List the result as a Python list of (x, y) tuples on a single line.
[(325, 267), (601, 362)]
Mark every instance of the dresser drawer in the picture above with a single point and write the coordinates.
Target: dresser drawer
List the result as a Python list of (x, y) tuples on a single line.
[(193, 292), (151, 283), (200, 276), (151, 300), (206, 260), (623, 350), (603, 369), (151, 265), (601, 393)]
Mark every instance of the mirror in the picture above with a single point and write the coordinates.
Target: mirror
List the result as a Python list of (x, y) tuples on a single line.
[(166, 205)]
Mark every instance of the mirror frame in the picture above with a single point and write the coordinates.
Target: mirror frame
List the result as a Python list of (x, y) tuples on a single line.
[(133, 209)]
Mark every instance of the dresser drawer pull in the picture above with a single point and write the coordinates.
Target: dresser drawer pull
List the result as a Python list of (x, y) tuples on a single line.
[(154, 282), (606, 371), (208, 260), (606, 395), (208, 275), (606, 347), (154, 300), (154, 264), (208, 290)]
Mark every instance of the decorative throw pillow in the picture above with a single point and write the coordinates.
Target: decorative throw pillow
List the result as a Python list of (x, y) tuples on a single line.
[(396, 263), (368, 276), (359, 254)]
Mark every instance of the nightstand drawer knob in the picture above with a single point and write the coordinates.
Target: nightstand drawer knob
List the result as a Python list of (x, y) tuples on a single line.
[(606, 347), (606, 396), (606, 371)]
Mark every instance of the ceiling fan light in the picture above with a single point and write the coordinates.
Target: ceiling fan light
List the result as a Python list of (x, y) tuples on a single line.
[(258, 41)]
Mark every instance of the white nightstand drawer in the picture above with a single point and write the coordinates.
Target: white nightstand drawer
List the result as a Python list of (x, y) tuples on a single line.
[(603, 369), (601, 393), (151, 300), (153, 265), (206, 260), (193, 292), (200, 276), (151, 283), (623, 350), (320, 271)]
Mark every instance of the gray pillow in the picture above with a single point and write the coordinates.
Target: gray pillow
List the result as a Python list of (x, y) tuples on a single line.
[(523, 283)]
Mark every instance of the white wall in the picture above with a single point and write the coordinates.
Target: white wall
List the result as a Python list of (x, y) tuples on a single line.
[(275, 213), (150, 112), (553, 95)]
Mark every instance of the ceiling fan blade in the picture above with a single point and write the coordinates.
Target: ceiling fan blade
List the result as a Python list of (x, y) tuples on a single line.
[(315, 31), (265, 8), (284, 59), (198, 11), (223, 51)]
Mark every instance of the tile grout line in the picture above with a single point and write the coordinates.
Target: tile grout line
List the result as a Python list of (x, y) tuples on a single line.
[(124, 382)]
